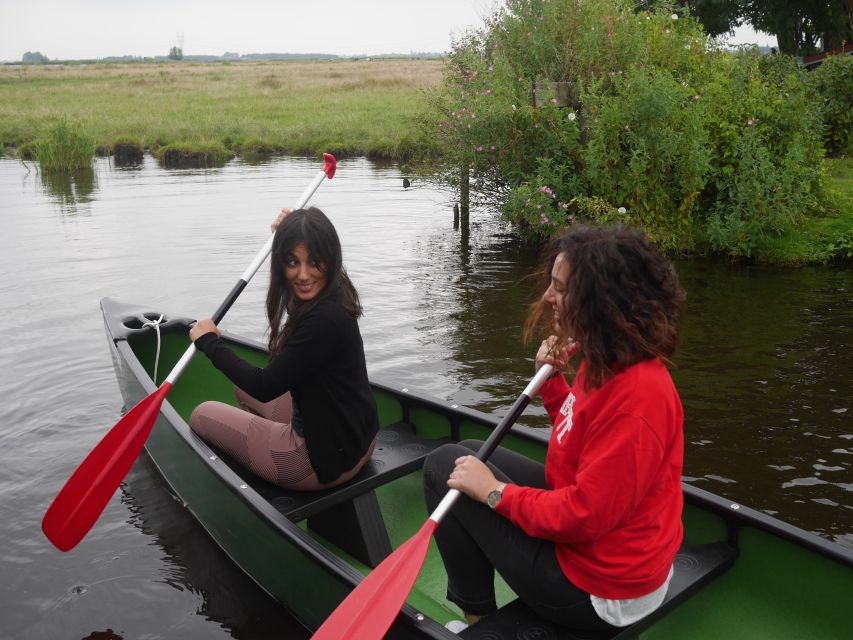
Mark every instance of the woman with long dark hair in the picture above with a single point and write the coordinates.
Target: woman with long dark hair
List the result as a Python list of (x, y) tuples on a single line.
[(588, 540), (307, 420)]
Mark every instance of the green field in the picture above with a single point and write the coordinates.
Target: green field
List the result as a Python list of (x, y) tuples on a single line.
[(345, 107)]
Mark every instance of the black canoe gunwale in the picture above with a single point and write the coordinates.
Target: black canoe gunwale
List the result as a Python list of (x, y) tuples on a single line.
[(124, 322)]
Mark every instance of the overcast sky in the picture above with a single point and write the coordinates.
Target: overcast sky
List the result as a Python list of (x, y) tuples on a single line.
[(86, 29)]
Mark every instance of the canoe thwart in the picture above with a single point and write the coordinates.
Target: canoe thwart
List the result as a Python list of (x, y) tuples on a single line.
[(695, 566), (349, 515)]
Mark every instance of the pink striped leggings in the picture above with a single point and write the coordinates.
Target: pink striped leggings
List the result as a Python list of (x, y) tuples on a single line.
[(259, 436)]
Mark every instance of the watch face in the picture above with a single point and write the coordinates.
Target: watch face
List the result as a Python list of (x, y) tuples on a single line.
[(493, 498)]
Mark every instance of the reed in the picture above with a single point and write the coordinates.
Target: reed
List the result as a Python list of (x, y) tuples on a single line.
[(65, 149)]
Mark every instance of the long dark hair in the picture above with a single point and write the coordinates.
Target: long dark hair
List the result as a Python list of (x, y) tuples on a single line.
[(312, 228), (623, 299)]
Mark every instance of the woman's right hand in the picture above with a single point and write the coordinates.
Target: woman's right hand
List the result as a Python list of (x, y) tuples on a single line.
[(557, 357), (284, 213)]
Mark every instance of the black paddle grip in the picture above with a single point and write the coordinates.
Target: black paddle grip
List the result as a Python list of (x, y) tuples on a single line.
[(229, 300)]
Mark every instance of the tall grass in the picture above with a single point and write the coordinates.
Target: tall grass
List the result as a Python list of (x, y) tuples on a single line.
[(65, 149), (346, 107)]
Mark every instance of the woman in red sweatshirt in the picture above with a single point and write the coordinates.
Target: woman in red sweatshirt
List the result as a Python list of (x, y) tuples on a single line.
[(588, 540)]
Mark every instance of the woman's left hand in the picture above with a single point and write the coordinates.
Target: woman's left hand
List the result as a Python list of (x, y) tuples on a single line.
[(472, 477), (201, 327)]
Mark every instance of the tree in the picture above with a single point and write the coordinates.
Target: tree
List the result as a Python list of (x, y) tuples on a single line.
[(176, 53), (801, 27), (718, 17), (34, 57)]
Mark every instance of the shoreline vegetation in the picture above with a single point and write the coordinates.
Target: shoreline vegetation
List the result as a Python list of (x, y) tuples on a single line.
[(205, 113)]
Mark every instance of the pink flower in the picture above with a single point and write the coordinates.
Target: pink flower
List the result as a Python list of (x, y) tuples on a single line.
[(480, 148), (544, 219), (749, 123), (553, 100), (697, 97)]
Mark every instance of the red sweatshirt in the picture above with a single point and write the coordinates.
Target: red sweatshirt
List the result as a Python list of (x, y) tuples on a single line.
[(614, 472)]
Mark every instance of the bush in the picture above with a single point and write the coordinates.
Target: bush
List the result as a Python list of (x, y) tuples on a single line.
[(767, 169), (638, 111), (832, 82), (648, 152)]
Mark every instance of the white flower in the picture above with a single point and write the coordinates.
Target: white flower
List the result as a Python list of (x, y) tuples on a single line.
[(674, 16), (572, 116), (622, 210), (513, 107)]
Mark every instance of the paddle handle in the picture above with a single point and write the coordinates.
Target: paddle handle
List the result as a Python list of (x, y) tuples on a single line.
[(328, 171), (489, 446)]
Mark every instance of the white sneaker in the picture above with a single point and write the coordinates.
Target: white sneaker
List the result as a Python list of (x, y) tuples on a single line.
[(456, 626)]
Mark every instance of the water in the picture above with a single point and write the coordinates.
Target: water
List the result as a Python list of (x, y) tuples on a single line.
[(765, 369)]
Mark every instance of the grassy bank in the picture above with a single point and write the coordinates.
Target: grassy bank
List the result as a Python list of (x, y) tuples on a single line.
[(346, 107)]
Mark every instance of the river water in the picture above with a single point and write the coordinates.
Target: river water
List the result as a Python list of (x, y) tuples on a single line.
[(765, 369)]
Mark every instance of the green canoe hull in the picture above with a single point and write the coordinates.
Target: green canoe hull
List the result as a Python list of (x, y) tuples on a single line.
[(784, 582)]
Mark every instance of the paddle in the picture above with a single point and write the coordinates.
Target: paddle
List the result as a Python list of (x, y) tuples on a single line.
[(85, 495), (368, 611)]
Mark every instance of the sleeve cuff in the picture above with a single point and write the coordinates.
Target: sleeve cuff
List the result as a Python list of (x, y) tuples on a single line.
[(204, 342)]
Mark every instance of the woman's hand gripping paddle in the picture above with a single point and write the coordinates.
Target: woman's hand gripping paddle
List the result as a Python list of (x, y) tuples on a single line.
[(82, 500), (368, 611)]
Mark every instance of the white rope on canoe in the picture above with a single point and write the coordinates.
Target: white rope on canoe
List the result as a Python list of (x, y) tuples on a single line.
[(156, 325)]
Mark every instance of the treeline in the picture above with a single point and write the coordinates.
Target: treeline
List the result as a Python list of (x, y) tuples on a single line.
[(38, 58)]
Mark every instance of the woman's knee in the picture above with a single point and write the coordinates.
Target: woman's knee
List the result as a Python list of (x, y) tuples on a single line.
[(201, 414), (439, 464)]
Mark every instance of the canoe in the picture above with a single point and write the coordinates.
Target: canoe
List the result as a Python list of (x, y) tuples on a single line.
[(739, 574)]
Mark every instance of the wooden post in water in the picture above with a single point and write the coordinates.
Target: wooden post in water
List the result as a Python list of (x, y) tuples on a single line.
[(455, 216), (464, 188)]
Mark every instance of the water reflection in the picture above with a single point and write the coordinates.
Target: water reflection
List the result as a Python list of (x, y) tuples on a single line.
[(68, 190), (194, 563)]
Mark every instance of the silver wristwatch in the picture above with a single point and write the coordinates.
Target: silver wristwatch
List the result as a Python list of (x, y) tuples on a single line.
[(495, 495)]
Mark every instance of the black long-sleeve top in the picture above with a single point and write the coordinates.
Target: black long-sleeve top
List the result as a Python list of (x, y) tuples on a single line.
[(323, 366)]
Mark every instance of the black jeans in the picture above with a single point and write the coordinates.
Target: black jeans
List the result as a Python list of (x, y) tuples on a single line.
[(474, 541)]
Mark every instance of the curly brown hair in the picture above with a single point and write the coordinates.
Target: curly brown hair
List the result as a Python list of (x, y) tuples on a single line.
[(623, 299)]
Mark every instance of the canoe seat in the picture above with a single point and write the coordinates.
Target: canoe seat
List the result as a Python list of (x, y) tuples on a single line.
[(695, 566), (348, 515)]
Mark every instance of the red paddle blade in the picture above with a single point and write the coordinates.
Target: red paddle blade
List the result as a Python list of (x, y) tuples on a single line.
[(86, 493), (368, 611), (330, 165)]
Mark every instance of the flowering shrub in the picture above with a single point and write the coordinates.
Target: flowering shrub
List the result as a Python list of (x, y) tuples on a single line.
[(634, 111)]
